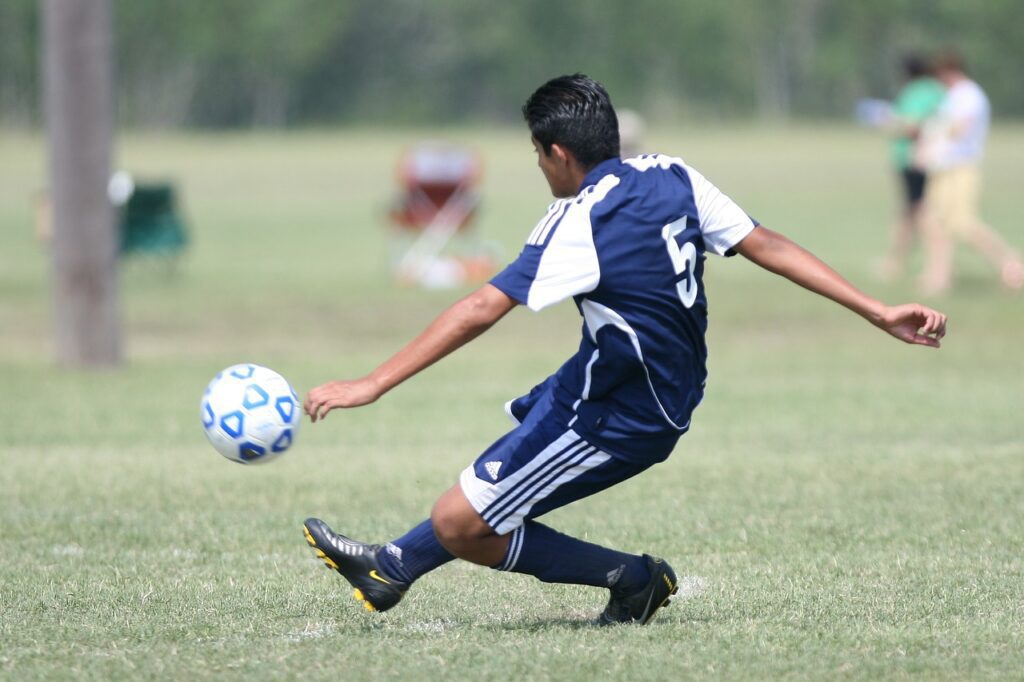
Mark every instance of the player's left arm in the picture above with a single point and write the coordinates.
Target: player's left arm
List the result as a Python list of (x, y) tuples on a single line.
[(912, 323), (459, 324)]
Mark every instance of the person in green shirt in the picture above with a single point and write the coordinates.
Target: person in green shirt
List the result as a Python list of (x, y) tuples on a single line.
[(917, 100)]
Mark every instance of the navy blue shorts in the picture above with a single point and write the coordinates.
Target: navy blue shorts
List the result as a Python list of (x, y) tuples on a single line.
[(914, 182), (540, 465)]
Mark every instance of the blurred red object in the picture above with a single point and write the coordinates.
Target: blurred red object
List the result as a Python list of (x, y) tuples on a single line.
[(439, 182), (438, 201)]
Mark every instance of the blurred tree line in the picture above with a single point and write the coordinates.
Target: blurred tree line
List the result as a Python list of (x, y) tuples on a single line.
[(242, 63)]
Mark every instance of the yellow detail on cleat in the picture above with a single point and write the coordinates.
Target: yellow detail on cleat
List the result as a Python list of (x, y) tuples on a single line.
[(319, 552), (668, 581), (330, 562), (358, 594)]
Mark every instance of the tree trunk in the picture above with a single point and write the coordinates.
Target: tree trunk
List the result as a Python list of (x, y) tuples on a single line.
[(78, 97)]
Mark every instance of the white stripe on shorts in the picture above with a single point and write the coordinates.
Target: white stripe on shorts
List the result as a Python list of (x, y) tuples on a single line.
[(513, 499), (504, 504)]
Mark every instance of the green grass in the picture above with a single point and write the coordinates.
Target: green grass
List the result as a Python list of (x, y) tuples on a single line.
[(844, 507)]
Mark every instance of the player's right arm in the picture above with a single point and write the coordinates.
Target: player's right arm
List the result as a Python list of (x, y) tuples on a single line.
[(459, 324), (570, 267)]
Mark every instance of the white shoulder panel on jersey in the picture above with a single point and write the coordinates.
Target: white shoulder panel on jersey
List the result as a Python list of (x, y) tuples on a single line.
[(540, 232), (569, 264), (722, 222)]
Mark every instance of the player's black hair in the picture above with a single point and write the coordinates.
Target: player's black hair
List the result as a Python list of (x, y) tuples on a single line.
[(916, 66), (576, 113)]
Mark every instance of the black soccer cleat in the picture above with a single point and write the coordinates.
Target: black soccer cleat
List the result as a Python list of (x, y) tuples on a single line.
[(357, 563), (641, 606)]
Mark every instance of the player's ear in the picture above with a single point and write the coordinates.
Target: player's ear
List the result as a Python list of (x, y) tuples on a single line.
[(562, 155)]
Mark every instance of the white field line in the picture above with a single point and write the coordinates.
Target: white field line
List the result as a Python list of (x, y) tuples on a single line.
[(311, 631), (690, 586), (68, 550)]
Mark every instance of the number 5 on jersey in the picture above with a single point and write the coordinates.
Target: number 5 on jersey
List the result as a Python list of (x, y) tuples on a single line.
[(684, 261)]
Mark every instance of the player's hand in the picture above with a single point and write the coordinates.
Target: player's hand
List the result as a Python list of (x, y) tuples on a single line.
[(914, 323), (326, 397)]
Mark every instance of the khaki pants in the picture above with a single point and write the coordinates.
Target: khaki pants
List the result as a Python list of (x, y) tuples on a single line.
[(951, 203), (951, 198)]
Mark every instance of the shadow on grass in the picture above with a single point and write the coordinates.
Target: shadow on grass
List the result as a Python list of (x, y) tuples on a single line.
[(582, 623), (541, 625)]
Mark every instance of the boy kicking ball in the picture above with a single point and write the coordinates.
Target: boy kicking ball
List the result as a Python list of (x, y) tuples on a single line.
[(626, 239)]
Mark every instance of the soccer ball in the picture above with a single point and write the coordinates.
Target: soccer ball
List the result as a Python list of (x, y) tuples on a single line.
[(250, 414)]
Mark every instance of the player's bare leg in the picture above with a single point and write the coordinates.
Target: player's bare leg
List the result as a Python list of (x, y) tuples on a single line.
[(893, 264), (462, 531), (994, 248), (937, 276), (1012, 275)]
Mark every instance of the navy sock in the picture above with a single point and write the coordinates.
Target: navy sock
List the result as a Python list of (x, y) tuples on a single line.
[(554, 557), (414, 554)]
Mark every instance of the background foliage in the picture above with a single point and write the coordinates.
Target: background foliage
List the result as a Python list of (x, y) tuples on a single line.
[(274, 63)]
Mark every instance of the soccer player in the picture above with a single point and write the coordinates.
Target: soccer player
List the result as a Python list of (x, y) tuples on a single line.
[(917, 101), (626, 240), (957, 145)]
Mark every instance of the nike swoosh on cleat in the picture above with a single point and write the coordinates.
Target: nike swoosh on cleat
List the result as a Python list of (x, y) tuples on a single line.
[(647, 609), (377, 576)]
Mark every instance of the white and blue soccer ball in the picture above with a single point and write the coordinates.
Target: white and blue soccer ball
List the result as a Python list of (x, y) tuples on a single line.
[(250, 414)]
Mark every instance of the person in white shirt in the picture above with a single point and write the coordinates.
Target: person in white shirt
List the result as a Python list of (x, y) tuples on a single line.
[(951, 148)]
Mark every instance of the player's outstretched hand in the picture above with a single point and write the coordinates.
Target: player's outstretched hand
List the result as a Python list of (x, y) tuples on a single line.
[(326, 397), (914, 323)]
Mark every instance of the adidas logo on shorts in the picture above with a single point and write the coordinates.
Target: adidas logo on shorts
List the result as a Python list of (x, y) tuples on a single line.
[(492, 469)]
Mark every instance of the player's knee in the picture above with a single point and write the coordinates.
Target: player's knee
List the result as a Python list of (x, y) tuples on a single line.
[(455, 524)]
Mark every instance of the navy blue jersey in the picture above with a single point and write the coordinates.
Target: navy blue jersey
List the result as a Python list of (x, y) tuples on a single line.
[(629, 248)]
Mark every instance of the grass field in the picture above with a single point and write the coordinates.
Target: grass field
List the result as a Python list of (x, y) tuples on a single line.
[(844, 507)]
